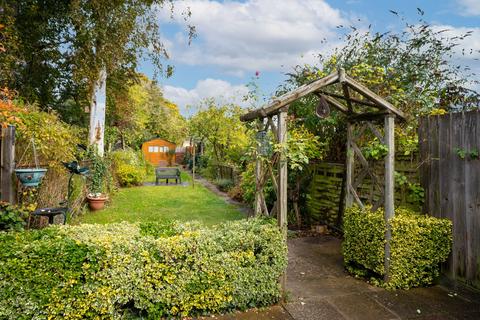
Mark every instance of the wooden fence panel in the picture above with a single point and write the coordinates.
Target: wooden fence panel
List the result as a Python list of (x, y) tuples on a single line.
[(323, 201), (450, 174)]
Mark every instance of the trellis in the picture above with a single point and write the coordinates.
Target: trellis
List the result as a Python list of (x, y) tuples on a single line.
[(364, 110)]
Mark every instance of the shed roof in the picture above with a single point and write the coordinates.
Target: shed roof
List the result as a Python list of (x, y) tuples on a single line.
[(158, 138)]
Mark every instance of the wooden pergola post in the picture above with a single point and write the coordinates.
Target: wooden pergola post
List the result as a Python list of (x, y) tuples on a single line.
[(389, 187), (349, 167), (258, 186), (282, 172), (282, 183), (259, 172)]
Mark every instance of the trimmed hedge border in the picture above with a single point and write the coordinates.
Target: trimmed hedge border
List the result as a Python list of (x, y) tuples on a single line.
[(151, 270), (419, 244)]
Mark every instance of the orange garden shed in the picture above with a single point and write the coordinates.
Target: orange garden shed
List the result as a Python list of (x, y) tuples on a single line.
[(159, 152)]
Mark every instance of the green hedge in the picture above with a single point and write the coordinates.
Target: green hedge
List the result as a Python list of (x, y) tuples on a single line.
[(419, 244), (140, 270), (130, 168)]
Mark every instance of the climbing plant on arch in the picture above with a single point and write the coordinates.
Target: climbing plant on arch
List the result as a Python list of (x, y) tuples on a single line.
[(364, 110)]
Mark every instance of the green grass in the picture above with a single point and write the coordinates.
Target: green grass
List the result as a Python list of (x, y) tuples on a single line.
[(153, 203)]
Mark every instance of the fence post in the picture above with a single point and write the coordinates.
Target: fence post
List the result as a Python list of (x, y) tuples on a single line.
[(7, 164)]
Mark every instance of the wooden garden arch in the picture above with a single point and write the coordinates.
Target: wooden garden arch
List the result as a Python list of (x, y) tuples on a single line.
[(357, 102)]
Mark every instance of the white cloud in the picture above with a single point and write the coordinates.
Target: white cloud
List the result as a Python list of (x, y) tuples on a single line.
[(470, 7), (255, 34), (222, 91)]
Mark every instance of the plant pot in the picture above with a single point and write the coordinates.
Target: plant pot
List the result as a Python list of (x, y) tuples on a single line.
[(96, 203), (30, 177)]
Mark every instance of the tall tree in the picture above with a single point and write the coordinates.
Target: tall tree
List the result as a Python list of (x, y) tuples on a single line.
[(61, 49), (140, 112)]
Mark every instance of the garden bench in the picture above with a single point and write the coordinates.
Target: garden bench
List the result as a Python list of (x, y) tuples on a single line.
[(167, 173)]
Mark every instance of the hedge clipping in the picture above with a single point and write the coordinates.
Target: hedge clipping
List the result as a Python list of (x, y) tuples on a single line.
[(419, 244), (139, 270)]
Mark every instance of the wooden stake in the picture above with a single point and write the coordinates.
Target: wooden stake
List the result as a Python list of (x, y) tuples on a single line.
[(193, 167), (8, 164), (389, 188)]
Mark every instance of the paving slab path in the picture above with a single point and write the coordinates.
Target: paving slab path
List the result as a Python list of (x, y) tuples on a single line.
[(319, 288)]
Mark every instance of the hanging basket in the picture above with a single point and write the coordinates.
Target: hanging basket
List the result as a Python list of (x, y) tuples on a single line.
[(30, 177)]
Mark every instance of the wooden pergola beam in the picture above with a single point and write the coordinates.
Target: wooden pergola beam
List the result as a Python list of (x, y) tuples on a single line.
[(287, 98), (364, 91), (334, 103), (339, 96), (369, 116)]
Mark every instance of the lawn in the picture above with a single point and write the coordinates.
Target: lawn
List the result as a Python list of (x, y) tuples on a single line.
[(153, 203)]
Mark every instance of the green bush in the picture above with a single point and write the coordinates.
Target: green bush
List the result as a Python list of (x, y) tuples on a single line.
[(129, 175), (419, 244), (130, 168), (141, 270), (224, 184), (12, 217)]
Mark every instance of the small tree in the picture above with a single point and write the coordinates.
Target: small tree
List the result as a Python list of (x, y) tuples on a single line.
[(220, 129)]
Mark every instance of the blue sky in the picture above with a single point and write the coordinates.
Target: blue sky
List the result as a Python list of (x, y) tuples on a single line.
[(237, 38)]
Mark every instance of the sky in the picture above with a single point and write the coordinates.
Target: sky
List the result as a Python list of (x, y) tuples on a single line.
[(237, 39)]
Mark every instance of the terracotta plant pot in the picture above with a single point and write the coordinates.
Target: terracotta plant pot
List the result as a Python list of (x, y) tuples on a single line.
[(96, 203)]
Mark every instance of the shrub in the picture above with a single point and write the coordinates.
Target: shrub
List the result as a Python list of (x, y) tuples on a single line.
[(236, 193), (224, 184), (419, 244), (130, 168), (12, 217), (129, 175), (145, 270), (55, 141)]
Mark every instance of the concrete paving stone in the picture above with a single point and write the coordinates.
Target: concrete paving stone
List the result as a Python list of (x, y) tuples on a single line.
[(429, 301), (313, 310), (360, 306), (436, 316), (272, 313), (470, 316), (318, 287)]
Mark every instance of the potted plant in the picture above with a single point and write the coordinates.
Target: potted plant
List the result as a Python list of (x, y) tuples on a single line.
[(96, 196)]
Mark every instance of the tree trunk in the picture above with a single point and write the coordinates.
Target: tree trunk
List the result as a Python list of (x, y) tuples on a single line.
[(97, 113)]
